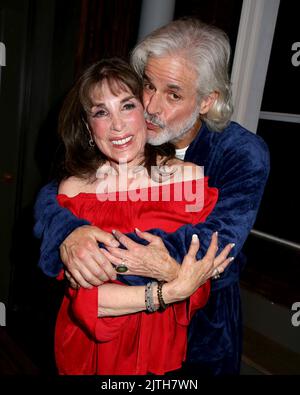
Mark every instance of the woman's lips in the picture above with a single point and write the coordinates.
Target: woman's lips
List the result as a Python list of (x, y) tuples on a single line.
[(122, 143)]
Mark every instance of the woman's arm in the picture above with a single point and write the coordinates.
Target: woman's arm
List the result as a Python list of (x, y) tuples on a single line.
[(116, 300)]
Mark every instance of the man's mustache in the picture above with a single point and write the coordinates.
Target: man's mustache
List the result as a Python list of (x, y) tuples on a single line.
[(154, 120)]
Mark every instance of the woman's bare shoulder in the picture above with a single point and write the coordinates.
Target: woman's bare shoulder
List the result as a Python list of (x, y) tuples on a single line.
[(72, 186)]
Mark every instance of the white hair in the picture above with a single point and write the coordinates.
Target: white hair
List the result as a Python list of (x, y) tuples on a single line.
[(207, 49)]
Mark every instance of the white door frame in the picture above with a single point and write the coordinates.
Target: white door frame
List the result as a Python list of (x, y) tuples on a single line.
[(251, 59)]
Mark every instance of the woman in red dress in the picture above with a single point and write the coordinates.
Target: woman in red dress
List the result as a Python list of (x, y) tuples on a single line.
[(112, 178)]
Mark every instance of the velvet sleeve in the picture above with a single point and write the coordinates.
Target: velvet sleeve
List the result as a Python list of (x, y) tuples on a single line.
[(244, 172), (53, 224)]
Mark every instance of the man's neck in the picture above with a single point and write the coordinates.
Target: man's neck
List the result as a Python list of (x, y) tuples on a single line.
[(189, 136)]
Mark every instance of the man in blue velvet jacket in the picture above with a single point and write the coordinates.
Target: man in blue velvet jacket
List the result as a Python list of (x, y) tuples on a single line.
[(187, 100)]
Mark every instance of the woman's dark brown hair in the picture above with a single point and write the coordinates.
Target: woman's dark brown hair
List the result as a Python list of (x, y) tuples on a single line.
[(82, 160)]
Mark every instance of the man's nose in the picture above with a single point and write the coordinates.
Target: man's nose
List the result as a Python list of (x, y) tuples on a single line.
[(152, 103)]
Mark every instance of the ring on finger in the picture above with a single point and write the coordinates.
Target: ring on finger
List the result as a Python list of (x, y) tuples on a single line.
[(215, 274), (122, 268)]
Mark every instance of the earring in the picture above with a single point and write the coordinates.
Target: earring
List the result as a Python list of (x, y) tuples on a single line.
[(91, 140)]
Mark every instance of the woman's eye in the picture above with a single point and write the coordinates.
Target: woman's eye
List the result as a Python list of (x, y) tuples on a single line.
[(129, 106), (99, 114)]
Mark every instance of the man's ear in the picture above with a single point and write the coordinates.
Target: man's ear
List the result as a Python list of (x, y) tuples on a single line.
[(208, 102)]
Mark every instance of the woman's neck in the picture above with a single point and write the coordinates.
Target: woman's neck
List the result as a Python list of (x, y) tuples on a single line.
[(126, 169)]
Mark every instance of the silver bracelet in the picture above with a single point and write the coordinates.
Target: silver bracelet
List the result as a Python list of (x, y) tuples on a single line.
[(150, 307)]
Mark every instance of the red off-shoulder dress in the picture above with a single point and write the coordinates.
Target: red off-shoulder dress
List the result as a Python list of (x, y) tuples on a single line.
[(139, 343)]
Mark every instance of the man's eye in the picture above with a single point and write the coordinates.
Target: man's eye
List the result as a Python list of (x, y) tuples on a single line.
[(175, 97), (148, 86)]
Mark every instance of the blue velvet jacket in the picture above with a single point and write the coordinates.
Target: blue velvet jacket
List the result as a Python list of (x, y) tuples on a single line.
[(237, 163)]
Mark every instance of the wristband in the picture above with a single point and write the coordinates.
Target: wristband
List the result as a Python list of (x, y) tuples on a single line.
[(162, 303), (150, 307)]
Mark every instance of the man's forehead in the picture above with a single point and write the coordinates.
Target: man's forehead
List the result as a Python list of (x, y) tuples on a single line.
[(173, 72)]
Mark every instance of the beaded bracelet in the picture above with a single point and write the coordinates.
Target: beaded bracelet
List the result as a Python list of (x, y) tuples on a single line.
[(162, 303), (150, 307)]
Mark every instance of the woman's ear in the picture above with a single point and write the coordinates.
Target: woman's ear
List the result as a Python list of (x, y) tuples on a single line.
[(208, 102)]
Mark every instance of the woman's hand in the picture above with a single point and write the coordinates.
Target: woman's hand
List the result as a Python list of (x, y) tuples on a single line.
[(192, 273), (152, 260)]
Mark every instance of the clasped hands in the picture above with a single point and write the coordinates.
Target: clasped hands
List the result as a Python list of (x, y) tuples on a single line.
[(87, 265)]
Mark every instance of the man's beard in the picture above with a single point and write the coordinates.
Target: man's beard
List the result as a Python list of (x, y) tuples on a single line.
[(170, 134)]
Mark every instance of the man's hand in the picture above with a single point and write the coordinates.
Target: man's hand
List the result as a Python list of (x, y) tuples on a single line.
[(83, 260), (152, 260)]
